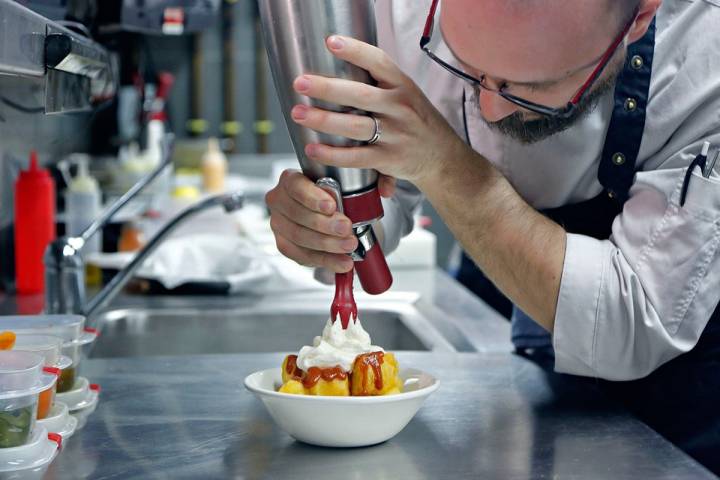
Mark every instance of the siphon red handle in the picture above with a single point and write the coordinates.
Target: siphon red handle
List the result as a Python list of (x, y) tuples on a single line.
[(373, 271)]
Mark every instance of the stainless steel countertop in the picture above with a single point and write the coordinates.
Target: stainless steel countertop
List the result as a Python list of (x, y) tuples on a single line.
[(495, 416)]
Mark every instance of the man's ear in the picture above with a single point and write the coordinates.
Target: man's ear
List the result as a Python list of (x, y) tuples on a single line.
[(646, 13)]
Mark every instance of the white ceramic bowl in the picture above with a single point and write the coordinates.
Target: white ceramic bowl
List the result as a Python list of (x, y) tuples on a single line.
[(342, 421)]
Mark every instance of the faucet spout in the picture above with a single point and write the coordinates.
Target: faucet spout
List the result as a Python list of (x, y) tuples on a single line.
[(229, 201), (65, 269)]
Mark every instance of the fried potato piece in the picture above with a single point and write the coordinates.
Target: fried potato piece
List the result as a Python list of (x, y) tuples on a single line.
[(330, 388), (323, 382), (374, 374), (293, 387), (290, 369)]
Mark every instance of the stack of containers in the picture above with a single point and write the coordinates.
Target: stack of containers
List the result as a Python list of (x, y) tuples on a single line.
[(26, 448), (80, 396), (53, 415)]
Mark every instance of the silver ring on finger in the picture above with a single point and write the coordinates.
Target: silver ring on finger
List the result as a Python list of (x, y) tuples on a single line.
[(377, 133)]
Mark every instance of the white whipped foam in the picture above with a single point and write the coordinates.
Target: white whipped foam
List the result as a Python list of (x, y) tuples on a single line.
[(336, 347)]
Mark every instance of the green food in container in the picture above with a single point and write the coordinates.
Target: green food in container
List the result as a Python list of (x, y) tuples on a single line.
[(15, 426), (66, 380)]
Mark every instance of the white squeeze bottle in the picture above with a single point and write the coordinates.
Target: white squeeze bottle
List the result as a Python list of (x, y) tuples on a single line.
[(214, 168), (82, 205)]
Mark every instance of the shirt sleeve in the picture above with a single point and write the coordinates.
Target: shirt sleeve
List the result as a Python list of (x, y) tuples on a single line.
[(629, 304), (398, 220)]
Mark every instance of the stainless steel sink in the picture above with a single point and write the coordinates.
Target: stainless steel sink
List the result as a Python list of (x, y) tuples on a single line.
[(280, 327)]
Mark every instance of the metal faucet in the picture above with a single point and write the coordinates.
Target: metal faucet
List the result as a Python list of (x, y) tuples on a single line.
[(65, 269)]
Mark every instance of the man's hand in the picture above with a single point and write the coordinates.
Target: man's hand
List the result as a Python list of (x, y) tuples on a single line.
[(416, 141), (307, 226), (520, 250)]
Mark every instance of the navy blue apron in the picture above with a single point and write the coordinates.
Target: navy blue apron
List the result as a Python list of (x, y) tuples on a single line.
[(681, 399)]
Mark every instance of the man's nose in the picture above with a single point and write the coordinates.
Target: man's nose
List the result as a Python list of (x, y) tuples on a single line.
[(494, 108)]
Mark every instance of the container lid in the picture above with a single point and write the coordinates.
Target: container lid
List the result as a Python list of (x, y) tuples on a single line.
[(67, 327), (21, 374), (37, 453), (48, 346), (81, 395), (59, 421), (64, 362)]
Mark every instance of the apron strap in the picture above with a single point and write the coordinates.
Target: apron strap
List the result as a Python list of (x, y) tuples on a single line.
[(616, 173), (624, 136)]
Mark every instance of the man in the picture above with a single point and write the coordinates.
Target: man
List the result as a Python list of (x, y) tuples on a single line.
[(554, 140)]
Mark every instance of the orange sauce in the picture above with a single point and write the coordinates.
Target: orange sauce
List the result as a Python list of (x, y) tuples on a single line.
[(314, 374), (365, 362), (291, 367)]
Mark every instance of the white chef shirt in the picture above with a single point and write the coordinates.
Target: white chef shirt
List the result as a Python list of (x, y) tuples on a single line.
[(633, 302)]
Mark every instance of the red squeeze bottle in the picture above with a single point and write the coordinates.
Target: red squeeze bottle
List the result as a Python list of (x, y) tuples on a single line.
[(34, 225)]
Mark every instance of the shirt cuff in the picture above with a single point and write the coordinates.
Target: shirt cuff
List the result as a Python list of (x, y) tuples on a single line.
[(391, 226), (576, 318)]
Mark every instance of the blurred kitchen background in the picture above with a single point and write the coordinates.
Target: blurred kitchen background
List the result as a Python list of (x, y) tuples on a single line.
[(98, 82)]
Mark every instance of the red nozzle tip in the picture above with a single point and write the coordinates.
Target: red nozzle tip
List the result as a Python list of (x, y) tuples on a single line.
[(344, 303)]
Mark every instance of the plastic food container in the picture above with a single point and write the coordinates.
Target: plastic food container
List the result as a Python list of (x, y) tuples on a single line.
[(30, 461), (48, 347), (21, 380), (71, 328), (74, 351), (82, 400), (60, 421)]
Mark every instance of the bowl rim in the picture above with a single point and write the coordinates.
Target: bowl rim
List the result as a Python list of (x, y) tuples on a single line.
[(398, 397)]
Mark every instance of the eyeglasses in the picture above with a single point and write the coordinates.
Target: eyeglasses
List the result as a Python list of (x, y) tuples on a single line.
[(563, 112)]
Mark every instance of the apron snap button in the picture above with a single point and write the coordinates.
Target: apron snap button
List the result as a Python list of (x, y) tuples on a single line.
[(630, 104), (637, 62), (618, 159)]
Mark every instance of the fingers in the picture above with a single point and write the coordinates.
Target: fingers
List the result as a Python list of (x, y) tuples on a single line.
[(311, 239), (368, 57), (343, 92), (287, 199), (355, 127), (307, 227), (306, 193), (348, 157), (311, 258)]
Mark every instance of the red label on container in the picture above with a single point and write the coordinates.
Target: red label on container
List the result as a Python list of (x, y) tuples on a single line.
[(52, 370), (57, 438)]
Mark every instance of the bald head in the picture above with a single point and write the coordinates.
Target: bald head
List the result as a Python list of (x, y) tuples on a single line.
[(540, 50), (528, 40)]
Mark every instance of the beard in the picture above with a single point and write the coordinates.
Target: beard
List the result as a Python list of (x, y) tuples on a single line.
[(533, 130)]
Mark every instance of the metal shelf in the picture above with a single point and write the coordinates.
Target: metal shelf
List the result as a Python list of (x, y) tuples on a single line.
[(77, 69)]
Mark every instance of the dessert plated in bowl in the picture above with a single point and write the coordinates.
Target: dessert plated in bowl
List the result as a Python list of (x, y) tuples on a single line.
[(342, 391)]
